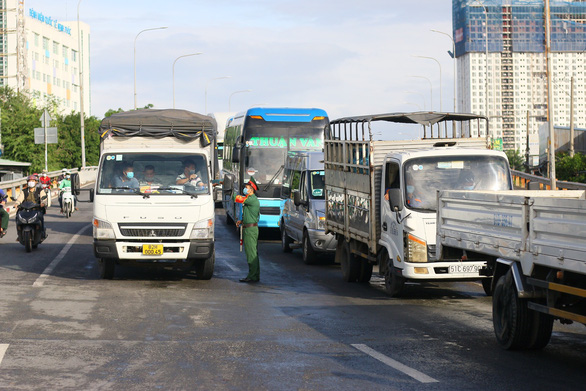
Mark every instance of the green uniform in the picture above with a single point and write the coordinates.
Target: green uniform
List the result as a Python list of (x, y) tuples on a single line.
[(250, 215)]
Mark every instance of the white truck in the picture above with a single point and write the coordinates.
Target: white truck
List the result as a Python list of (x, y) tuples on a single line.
[(536, 240), (381, 195), (153, 201)]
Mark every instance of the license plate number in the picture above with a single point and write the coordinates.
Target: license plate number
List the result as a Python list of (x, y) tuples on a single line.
[(152, 249), (464, 269)]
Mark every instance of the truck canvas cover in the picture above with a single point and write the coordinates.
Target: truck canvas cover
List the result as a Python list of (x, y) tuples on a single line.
[(181, 124)]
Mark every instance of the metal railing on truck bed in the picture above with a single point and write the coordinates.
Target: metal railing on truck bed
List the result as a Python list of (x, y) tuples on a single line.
[(353, 163)]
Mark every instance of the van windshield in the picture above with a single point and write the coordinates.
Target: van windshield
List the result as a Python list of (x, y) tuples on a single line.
[(425, 176), (317, 184), (153, 173)]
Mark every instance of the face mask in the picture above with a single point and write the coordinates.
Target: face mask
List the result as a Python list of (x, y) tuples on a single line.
[(410, 189), (31, 184), (191, 172), (67, 177), (130, 175), (245, 191)]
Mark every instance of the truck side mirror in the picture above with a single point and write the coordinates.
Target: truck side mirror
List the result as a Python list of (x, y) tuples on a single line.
[(296, 197), (396, 199), (91, 195)]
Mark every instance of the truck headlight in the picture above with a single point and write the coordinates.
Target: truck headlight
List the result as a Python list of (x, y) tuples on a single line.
[(103, 230), (416, 249), (203, 229)]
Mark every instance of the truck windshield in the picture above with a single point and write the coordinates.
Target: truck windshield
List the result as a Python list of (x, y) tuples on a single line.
[(317, 184), (425, 176), (153, 173)]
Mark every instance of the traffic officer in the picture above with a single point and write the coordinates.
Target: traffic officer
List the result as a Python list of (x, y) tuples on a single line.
[(250, 217)]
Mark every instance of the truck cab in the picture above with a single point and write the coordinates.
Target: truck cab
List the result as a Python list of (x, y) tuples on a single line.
[(302, 220)]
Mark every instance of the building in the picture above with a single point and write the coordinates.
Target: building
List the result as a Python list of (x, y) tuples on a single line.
[(40, 56), (502, 64)]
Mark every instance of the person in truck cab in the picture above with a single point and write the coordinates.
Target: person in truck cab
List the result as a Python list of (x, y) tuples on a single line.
[(126, 178), (466, 180), (189, 176), (149, 177)]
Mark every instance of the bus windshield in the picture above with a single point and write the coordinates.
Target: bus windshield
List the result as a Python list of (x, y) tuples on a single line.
[(153, 173), (424, 176), (268, 142)]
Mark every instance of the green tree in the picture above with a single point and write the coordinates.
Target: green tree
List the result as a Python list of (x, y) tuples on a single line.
[(570, 169), (516, 161)]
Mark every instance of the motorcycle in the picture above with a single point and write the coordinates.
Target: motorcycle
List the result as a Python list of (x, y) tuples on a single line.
[(28, 225), (47, 188), (68, 201)]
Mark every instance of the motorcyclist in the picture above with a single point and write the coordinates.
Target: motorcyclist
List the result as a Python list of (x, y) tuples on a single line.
[(34, 194), (4, 217), (44, 178), (66, 182)]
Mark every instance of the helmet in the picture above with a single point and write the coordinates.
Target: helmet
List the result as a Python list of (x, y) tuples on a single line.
[(63, 170), (32, 178)]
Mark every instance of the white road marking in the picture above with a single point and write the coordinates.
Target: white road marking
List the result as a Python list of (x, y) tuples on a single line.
[(415, 374), (41, 279), (3, 349)]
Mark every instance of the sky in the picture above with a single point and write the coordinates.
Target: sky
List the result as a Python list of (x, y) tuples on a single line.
[(345, 56)]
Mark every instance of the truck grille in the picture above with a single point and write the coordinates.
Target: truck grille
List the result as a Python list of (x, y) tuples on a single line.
[(152, 231), (270, 210)]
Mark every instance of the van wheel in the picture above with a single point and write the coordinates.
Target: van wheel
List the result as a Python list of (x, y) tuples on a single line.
[(285, 240), (204, 268), (393, 283), (350, 265), (309, 254), (106, 268)]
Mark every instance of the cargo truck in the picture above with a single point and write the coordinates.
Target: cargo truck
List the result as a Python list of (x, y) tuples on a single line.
[(153, 203), (536, 241), (381, 195)]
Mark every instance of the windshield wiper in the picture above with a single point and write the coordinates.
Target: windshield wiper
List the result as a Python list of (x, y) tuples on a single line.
[(273, 178), (168, 188)]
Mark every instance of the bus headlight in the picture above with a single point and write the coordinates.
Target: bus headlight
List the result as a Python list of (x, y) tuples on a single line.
[(203, 229), (416, 249), (103, 230)]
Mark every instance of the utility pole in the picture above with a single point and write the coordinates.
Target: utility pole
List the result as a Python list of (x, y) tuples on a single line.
[(552, 177)]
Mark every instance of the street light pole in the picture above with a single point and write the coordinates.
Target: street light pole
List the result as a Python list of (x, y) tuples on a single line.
[(454, 57), (135, 38), (206, 90), (430, 90), (81, 112), (230, 99), (440, 71), (417, 93), (552, 174), (185, 55)]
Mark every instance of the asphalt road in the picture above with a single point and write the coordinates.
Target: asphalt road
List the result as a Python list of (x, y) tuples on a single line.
[(300, 328)]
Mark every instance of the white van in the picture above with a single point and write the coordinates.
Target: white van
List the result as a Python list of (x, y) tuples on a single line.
[(153, 201)]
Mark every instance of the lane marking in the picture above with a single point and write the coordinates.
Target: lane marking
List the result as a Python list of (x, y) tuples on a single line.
[(3, 349), (415, 374), (49, 269)]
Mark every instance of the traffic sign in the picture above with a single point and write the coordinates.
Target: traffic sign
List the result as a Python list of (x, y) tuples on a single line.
[(45, 119), (51, 136)]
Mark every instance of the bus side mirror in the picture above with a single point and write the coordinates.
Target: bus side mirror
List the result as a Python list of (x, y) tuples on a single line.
[(227, 184), (236, 153), (396, 199)]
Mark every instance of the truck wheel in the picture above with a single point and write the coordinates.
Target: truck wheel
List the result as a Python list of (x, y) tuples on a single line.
[(393, 283), (350, 265), (204, 268), (365, 271), (510, 316), (285, 240), (487, 286), (106, 268), (309, 255)]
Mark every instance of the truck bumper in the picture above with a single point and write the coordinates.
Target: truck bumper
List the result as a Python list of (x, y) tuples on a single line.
[(320, 241), (444, 270), (172, 251)]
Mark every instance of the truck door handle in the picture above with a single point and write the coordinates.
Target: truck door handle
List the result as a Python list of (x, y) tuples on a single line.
[(384, 226)]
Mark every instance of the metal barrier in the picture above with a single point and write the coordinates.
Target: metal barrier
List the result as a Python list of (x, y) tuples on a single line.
[(521, 179)]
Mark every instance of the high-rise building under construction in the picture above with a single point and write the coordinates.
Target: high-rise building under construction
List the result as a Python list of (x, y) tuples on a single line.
[(502, 64)]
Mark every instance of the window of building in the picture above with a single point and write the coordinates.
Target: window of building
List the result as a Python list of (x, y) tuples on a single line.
[(55, 47), (36, 39), (65, 51), (45, 43), (73, 55)]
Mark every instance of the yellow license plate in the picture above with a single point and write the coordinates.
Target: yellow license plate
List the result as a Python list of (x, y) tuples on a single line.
[(152, 249)]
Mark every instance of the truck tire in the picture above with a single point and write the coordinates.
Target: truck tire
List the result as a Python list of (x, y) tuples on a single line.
[(365, 271), (106, 268), (309, 254), (511, 317), (350, 265), (204, 268), (285, 240), (393, 283)]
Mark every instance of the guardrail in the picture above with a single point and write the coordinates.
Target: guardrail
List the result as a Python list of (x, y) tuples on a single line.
[(14, 187), (521, 179)]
